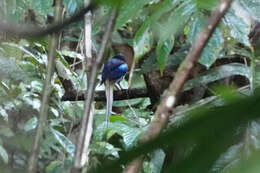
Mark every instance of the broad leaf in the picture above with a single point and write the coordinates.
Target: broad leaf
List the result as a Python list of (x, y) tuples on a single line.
[(10, 70), (211, 51), (64, 142), (206, 4), (143, 42), (170, 29), (157, 160), (73, 5), (237, 153), (143, 39), (163, 50), (252, 7), (128, 10), (129, 134), (238, 28), (218, 73), (3, 154), (30, 124), (42, 7)]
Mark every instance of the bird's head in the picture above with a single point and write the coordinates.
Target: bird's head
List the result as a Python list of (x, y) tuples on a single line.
[(120, 56)]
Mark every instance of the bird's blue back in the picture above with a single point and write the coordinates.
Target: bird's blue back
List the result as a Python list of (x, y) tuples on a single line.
[(114, 70)]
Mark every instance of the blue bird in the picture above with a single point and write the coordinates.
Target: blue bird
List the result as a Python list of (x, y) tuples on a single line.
[(113, 72)]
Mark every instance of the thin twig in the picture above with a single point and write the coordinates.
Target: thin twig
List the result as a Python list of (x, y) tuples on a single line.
[(88, 57), (100, 95), (32, 164), (91, 87), (26, 31), (168, 102)]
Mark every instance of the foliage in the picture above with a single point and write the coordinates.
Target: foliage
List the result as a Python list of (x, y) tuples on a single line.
[(216, 133)]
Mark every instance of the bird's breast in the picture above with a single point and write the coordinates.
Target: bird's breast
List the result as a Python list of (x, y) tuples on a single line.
[(123, 67)]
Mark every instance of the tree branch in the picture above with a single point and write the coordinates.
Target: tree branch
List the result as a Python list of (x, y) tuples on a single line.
[(88, 57), (32, 163), (100, 95), (168, 102), (26, 31), (91, 89)]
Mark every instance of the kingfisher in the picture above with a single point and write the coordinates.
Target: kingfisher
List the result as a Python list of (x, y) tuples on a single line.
[(113, 72)]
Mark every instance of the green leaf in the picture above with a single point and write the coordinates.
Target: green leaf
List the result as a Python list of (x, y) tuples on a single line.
[(42, 7), (171, 28), (12, 50), (252, 7), (3, 154), (54, 167), (64, 142), (206, 4), (237, 153), (238, 28), (115, 118), (177, 19), (163, 50), (6, 131), (30, 124), (70, 54), (36, 60), (143, 39), (128, 133), (157, 160), (214, 46), (72, 5), (104, 148), (129, 10), (218, 73), (213, 128), (10, 70), (143, 42)]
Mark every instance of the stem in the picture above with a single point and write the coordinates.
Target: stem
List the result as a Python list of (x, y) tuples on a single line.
[(164, 110), (32, 164), (91, 90)]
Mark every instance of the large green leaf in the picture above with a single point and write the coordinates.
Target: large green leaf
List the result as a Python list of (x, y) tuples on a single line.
[(157, 160), (177, 19), (104, 148), (42, 7), (238, 28), (128, 10), (237, 153), (218, 73), (36, 60), (211, 51), (170, 28), (10, 70), (64, 142), (206, 4), (3, 154), (31, 124), (252, 6), (163, 50), (214, 128), (73, 5), (128, 133), (143, 39), (143, 42)]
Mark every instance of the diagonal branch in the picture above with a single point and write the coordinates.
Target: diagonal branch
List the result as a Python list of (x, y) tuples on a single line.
[(100, 95), (88, 57), (32, 163), (168, 102), (26, 31), (91, 89)]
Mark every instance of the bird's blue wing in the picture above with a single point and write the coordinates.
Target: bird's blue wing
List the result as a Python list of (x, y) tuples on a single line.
[(114, 69)]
